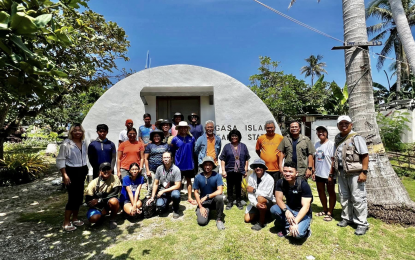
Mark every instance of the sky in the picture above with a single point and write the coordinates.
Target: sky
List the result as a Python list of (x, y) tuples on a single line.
[(230, 35)]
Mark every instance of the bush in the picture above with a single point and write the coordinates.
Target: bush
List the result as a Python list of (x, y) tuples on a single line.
[(391, 128), (25, 144), (21, 168)]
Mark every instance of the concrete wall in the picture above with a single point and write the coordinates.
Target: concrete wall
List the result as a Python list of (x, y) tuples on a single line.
[(408, 136), (235, 105)]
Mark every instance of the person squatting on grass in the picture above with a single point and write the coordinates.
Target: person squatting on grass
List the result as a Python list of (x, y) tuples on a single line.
[(234, 161), (130, 192), (351, 161), (260, 189), (321, 175), (102, 196), (166, 186), (72, 163), (294, 215), (208, 187)]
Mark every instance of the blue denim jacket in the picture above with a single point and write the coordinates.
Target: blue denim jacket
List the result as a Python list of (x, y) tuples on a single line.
[(201, 147)]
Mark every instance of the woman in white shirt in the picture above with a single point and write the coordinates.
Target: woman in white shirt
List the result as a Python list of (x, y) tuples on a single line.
[(72, 163)]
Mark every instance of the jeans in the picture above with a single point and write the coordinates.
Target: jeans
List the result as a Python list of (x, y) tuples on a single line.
[(163, 202), (303, 226), (233, 180), (150, 182), (216, 203)]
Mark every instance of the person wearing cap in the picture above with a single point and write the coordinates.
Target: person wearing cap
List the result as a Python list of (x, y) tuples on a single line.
[(177, 118), (72, 163), (101, 150), (129, 152), (260, 194), (182, 148), (294, 215), (153, 157), (267, 149), (208, 187), (101, 196), (165, 126), (351, 161), (157, 123), (167, 183), (196, 129), (208, 144), (322, 160), (299, 149), (130, 192), (145, 130), (234, 161), (123, 134)]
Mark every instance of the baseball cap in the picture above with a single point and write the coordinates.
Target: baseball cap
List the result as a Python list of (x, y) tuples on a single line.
[(105, 165), (344, 118), (322, 128)]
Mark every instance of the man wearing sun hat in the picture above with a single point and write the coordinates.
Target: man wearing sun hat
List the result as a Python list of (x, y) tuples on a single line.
[(182, 148), (208, 187), (260, 194), (102, 195), (123, 134), (351, 161)]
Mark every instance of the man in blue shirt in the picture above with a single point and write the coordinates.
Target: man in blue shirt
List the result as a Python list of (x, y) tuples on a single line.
[(196, 129), (101, 150), (208, 187), (146, 129)]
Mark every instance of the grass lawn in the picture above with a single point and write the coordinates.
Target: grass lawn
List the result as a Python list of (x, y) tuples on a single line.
[(165, 238)]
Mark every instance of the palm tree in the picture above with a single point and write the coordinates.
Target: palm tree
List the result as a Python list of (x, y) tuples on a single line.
[(386, 196), (387, 27), (314, 67), (402, 25)]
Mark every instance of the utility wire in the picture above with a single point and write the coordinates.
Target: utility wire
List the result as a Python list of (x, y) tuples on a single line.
[(322, 33)]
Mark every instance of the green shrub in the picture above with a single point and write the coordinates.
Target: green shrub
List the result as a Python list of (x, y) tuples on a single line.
[(391, 128), (21, 168), (25, 144)]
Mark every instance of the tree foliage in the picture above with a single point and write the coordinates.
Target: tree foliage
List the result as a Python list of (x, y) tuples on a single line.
[(288, 97), (49, 50), (314, 67)]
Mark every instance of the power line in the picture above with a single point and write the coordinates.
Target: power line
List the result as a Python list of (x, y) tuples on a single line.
[(322, 33)]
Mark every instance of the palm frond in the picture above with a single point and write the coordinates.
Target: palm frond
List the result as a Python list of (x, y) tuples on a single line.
[(377, 27)]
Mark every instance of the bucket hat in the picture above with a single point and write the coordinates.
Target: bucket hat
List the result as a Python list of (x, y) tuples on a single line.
[(258, 162), (165, 121), (178, 114), (159, 132), (182, 124), (189, 117), (207, 159)]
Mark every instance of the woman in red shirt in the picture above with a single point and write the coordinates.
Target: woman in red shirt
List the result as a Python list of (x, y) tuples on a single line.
[(131, 151)]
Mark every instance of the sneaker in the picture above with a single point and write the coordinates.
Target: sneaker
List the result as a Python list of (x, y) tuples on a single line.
[(361, 230), (309, 233), (220, 225), (257, 227), (239, 205), (343, 223), (229, 205), (176, 215), (113, 224)]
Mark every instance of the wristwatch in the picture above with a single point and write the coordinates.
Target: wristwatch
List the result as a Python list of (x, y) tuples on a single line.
[(331, 175), (310, 168), (207, 196), (364, 172), (284, 210), (254, 190)]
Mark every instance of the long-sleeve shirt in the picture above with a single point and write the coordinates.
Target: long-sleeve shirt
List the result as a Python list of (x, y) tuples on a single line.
[(71, 155), (264, 189)]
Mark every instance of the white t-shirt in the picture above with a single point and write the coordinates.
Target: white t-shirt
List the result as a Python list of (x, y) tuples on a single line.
[(323, 155)]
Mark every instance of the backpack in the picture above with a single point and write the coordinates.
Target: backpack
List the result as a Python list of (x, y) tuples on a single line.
[(149, 210)]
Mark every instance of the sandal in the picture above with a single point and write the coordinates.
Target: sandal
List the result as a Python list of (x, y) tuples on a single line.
[(328, 218), (193, 202), (78, 223), (321, 214), (69, 228)]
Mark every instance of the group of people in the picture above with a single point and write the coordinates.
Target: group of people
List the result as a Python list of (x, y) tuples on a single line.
[(165, 153)]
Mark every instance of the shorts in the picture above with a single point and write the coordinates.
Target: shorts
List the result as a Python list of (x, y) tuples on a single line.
[(92, 211), (188, 174), (324, 180)]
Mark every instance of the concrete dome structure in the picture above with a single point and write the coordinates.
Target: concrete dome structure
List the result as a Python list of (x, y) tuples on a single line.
[(162, 91)]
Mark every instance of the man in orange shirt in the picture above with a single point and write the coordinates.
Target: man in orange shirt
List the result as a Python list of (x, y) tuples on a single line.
[(267, 149)]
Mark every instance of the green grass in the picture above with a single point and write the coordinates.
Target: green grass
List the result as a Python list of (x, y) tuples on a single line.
[(166, 238)]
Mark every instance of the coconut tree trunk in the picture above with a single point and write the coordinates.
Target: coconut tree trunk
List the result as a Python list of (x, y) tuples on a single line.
[(387, 197), (404, 31), (398, 52), (312, 79)]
